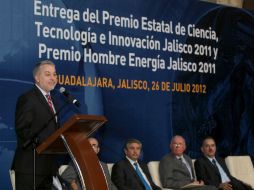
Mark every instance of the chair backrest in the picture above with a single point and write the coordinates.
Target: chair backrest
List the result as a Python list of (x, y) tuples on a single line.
[(110, 166), (153, 167), (12, 177), (241, 168)]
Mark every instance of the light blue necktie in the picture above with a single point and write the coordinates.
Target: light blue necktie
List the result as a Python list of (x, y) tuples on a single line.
[(141, 177)]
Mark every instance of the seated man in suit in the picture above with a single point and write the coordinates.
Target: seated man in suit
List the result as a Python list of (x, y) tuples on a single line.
[(213, 170), (130, 173), (176, 170), (70, 175)]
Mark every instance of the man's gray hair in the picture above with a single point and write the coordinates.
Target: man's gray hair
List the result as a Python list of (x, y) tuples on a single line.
[(37, 66), (130, 141)]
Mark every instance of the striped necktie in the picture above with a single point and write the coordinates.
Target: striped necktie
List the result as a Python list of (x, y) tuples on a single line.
[(50, 103)]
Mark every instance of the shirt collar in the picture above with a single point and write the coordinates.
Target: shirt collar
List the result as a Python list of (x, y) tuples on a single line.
[(211, 158), (131, 161), (178, 157), (42, 91)]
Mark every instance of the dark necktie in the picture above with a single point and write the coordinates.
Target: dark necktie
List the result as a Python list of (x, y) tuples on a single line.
[(141, 177), (215, 165), (50, 103)]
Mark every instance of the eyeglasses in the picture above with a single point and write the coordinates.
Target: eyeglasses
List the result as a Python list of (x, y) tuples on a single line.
[(177, 144), (94, 145)]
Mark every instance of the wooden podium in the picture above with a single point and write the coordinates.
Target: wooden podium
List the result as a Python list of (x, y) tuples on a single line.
[(71, 138)]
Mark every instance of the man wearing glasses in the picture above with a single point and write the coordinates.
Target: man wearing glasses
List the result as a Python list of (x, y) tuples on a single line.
[(176, 169)]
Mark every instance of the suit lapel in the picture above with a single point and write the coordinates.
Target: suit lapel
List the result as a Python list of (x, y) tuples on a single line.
[(182, 165), (43, 100), (190, 164), (144, 171), (213, 168), (148, 175), (222, 164), (132, 170)]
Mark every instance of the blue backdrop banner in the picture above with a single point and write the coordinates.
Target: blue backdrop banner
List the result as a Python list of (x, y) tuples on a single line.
[(153, 68)]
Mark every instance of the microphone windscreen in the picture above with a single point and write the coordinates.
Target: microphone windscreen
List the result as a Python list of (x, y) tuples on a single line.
[(62, 90)]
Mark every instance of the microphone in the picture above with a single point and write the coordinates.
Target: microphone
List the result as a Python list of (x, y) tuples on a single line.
[(69, 96), (74, 101)]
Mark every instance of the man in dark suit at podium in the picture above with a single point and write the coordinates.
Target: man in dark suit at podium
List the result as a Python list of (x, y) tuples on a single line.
[(213, 170), (34, 109), (130, 173)]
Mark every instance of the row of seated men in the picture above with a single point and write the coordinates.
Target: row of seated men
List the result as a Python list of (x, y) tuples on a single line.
[(175, 169)]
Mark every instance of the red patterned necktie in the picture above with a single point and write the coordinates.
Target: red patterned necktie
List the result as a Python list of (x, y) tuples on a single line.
[(50, 103)]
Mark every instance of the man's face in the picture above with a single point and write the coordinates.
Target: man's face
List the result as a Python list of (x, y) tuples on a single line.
[(177, 146), (133, 151), (209, 148), (46, 77), (95, 145)]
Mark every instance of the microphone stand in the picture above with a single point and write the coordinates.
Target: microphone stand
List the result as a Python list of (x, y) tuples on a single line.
[(34, 141), (39, 130), (34, 163)]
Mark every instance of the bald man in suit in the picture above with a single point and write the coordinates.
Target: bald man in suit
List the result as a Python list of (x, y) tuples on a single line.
[(176, 170)]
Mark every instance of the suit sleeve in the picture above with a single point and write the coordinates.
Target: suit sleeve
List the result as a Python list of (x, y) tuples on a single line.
[(167, 176), (23, 118), (118, 177)]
